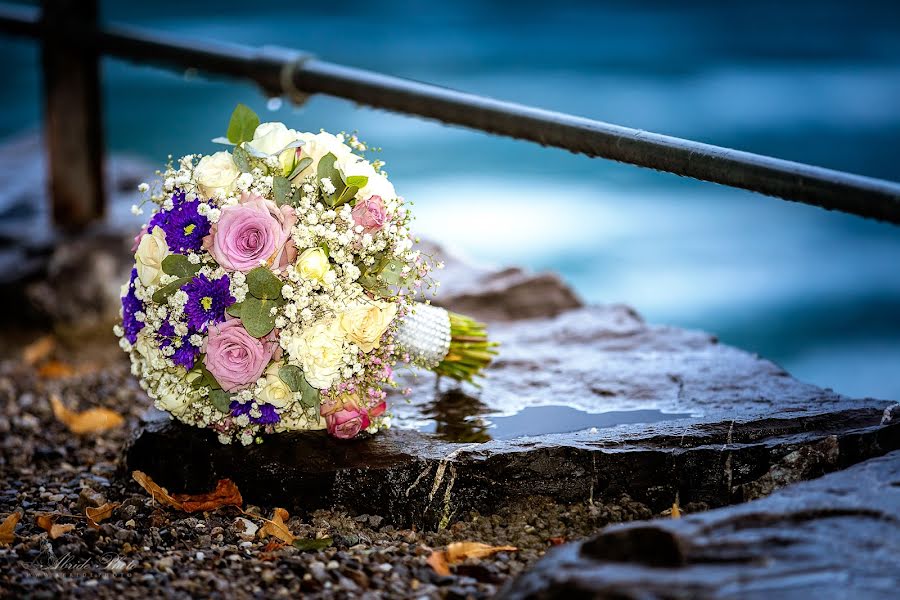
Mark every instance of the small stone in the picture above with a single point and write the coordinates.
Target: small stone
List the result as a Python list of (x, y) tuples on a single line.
[(130, 523), (245, 528), (200, 556), (88, 498)]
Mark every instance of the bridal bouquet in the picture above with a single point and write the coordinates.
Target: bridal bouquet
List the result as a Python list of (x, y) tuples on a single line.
[(276, 287)]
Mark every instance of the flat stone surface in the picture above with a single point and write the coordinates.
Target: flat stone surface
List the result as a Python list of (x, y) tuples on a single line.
[(834, 537), (750, 428)]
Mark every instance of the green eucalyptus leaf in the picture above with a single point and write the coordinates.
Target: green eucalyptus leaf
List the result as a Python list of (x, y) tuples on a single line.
[(256, 318), (311, 545), (310, 395), (263, 284), (179, 265), (221, 400), (346, 195), (392, 273), (326, 167), (292, 376), (358, 181), (281, 188), (242, 125), (300, 166), (235, 309), (160, 295), (295, 199), (205, 379), (241, 159)]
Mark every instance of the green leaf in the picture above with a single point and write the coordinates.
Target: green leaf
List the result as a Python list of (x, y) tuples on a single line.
[(256, 318), (179, 265), (263, 284), (306, 545), (160, 295), (221, 400), (310, 397), (392, 273), (346, 195), (235, 309), (292, 376), (281, 187), (300, 166), (358, 181), (242, 124), (295, 199), (241, 159), (205, 379), (326, 167)]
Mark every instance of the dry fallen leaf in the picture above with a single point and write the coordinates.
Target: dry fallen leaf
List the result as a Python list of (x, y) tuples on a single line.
[(38, 350), (55, 369), (276, 527), (101, 513), (457, 552), (8, 528), (557, 540), (90, 421), (47, 523), (676, 512), (438, 561), (225, 494), (460, 551)]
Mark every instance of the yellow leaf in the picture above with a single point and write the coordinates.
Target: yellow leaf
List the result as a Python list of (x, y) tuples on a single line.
[(55, 369), (225, 494), (438, 561), (38, 350), (676, 512), (460, 551), (47, 523), (99, 514), (90, 421), (8, 529), (276, 527)]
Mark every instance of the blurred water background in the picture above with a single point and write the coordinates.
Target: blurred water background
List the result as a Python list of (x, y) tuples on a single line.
[(817, 82)]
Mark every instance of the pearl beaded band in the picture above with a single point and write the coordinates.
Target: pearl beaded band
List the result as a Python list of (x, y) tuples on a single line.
[(425, 335)]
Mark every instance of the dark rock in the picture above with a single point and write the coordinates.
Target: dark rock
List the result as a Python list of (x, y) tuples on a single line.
[(733, 427), (498, 294), (834, 537)]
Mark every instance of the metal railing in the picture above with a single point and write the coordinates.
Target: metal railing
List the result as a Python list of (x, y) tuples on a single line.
[(72, 42)]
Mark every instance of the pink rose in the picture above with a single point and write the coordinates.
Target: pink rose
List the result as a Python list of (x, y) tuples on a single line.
[(138, 238), (370, 214), (347, 422), (234, 357), (378, 409), (253, 232)]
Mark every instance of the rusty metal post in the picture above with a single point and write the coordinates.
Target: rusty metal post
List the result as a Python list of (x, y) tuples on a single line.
[(73, 126)]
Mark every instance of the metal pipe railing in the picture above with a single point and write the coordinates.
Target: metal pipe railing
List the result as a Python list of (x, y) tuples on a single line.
[(280, 72)]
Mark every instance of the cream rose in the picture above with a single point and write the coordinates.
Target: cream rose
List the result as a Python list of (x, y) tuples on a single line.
[(319, 350), (365, 324), (168, 397), (150, 254), (216, 174), (317, 145), (275, 391), (272, 138), (313, 264), (378, 185)]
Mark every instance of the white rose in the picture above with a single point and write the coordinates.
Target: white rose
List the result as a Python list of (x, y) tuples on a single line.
[(319, 350), (378, 185), (216, 174), (366, 323), (317, 145), (313, 264), (275, 391), (149, 256), (272, 138), (168, 397)]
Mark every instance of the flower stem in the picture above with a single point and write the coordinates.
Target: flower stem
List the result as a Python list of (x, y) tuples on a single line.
[(470, 351)]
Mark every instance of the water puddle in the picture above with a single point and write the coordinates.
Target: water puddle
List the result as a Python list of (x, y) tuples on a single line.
[(457, 417)]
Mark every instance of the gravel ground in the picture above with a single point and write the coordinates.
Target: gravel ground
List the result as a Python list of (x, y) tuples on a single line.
[(146, 550)]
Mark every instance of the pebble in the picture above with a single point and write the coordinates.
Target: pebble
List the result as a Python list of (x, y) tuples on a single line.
[(245, 528)]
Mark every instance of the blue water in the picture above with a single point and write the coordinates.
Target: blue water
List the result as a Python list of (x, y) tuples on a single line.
[(817, 82)]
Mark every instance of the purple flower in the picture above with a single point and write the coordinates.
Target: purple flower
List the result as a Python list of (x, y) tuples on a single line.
[(207, 301), (268, 413), (186, 353), (185, 227), (130, 306)]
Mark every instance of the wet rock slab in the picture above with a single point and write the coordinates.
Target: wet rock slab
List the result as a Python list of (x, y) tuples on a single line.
[(834, 537), (739, 428)]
